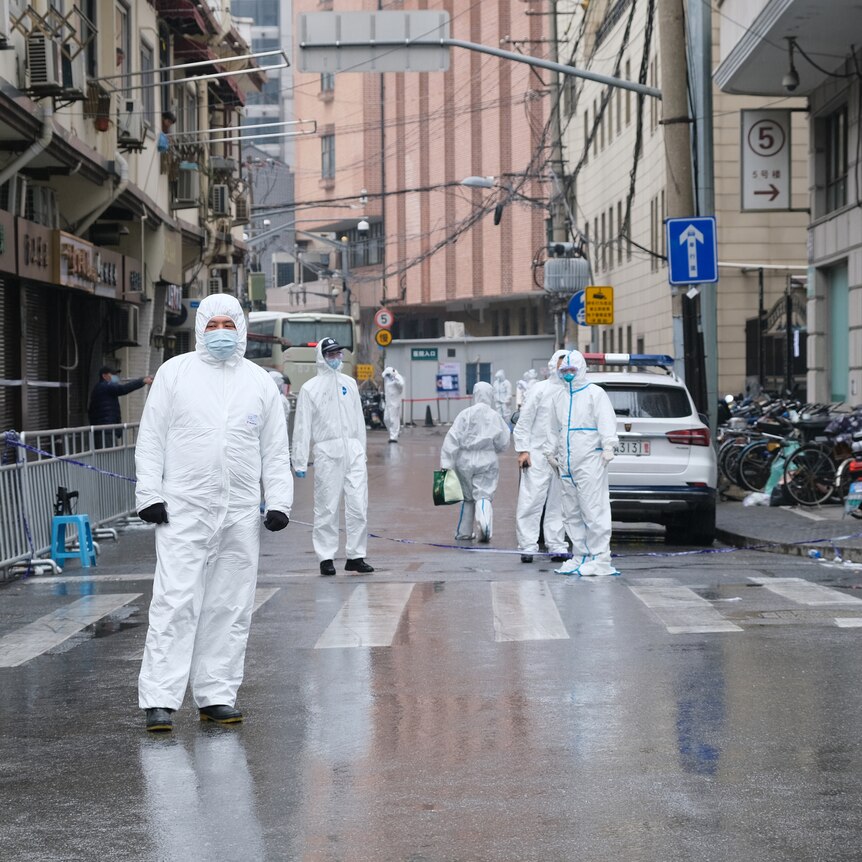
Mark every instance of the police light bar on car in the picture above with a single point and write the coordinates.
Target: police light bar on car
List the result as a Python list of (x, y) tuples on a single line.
[(629, 359)]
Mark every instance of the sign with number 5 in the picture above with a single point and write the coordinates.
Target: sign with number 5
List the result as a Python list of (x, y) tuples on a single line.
[(765, 160)]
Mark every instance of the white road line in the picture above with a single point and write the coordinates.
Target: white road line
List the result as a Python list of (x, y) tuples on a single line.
[(525, 611), (71, 579), (681, 609), (804, 513), (368, 618), (848, 622), (51, 630), (263, 595), (804, 592)]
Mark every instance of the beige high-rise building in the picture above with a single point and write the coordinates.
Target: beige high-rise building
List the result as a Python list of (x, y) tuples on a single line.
[(614, 154)]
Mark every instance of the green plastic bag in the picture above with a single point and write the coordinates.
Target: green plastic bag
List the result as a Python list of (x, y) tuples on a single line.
[(447, 488)]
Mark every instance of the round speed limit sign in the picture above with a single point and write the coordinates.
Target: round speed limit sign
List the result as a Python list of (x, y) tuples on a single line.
[(383, 337), (384, 318)]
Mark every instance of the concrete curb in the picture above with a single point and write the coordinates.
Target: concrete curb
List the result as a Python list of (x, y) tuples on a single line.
[(827, 548)]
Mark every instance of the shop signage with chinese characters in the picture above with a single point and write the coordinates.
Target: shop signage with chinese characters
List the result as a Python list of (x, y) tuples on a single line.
[(75, 263), (109, 266), (35, 246), (133, 280)]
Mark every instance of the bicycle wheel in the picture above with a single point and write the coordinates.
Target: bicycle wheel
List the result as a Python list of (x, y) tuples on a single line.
[(843, 479), (754, 465), (728, 460), (809, 476)]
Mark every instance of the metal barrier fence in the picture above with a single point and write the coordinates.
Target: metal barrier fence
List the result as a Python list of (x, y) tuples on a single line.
[(97, 462)]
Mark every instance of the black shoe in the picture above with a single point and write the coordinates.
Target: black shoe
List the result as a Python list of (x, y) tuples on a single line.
[(221, 714), (327, 567), (358, 565), (560, 558), (526, 558), (393, 441), (159, 719)]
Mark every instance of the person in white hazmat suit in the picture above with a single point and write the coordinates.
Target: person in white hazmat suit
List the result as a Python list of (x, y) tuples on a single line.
[(477, 436), (502, 395), (278, 379), (523, 386), (329, 417), (585, 431), (540, 482), (211, 430), (393, 391)]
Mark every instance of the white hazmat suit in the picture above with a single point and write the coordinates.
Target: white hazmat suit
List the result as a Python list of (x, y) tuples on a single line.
[(540, 483), (523, 386), (586, 433), (278, 379), (211, 430), (502, 395), (393, 392), (329, 418), (471, 447)]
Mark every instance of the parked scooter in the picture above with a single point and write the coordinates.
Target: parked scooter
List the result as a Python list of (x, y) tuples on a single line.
[(372, 404)]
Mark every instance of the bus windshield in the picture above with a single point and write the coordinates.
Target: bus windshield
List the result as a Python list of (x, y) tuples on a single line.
[(301, 333)]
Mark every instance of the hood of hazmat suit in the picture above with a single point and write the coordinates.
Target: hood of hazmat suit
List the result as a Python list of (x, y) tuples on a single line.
[(211, 431), (502, 389), (278, 379)]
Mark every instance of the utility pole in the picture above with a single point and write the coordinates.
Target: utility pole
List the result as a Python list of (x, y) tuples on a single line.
[(679, 193), (559, 228)]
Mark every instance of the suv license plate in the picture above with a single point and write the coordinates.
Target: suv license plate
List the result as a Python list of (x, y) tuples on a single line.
[(632, 447)]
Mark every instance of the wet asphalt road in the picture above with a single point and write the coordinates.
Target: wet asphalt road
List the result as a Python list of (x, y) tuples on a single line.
[(683, 711)]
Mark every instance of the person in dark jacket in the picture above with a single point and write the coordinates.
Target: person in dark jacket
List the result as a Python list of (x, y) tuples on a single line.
[(104, 406)]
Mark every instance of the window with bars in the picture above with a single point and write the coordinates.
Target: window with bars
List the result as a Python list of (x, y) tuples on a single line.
[(835, 128), (327, 157)]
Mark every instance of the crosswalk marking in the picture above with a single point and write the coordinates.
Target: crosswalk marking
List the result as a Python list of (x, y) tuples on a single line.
[(369, 618), (51, 630), (804, 592), (681, 609), (525, 611), (261, 596)]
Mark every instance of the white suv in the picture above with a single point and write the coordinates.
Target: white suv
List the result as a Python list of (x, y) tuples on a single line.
[(665, 469)]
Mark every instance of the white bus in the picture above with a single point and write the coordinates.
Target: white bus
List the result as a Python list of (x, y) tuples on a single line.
[(287, 342)]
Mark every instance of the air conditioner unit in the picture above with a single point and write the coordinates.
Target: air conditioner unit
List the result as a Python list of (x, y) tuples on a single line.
[(130, 125), (185, 320), (188, 192), (214, 285), (44, 65), (74, 74), (124, 326), (453, 329), (243, 215), (220, 199)]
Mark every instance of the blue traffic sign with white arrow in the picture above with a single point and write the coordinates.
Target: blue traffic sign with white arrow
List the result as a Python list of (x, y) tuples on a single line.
[(692, 250)]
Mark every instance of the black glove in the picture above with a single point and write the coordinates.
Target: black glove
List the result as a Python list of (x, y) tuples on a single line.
[(275, 521), (155, 514)]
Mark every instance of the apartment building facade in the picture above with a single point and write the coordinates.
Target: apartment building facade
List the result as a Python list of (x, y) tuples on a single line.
[(392, 150), (113, 222), (766, 47), (615, 161)]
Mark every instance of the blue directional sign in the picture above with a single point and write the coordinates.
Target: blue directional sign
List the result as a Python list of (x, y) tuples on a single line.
[(692, 250), (577, 308)]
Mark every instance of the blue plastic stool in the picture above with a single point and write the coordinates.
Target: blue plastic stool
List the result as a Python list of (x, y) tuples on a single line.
[(86, 550)]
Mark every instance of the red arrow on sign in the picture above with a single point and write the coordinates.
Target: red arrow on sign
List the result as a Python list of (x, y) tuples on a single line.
[(772, 191)]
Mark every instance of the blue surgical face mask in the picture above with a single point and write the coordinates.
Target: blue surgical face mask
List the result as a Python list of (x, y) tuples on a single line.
[(221, 343), (115, 378), (569, 376), (335, 364)]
